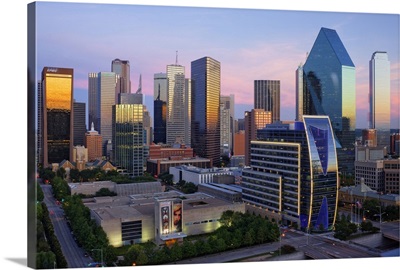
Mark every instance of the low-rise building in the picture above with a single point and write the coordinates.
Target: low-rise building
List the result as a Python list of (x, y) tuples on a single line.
[(197, 175), (164, 217)]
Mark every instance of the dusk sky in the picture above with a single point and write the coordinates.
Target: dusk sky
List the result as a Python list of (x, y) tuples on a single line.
[(250, 44)]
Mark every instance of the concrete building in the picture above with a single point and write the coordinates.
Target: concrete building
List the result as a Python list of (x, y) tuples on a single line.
[(159, 166), (371, 171), (151, 217), (391, 169), (80, 157), (157, 151), (370, 153), (197, 175)]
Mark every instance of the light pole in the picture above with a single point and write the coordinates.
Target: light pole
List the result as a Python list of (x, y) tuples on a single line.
[(280, 241), (380, 217), (101, 254)]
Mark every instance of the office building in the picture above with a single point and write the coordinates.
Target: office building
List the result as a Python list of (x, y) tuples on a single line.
[(79, 123), (239, 143), (102, 89), (299, 93), (254, 120), (267, 97), (160, 86), (293, 173), (160, 108), (127, 137), (329, 88), (94, 144), (39, 124), (369, 137), (177, 110), (395, 144), (123, 69), (227, 113), (57, 117), (206, 92), (379, 94)]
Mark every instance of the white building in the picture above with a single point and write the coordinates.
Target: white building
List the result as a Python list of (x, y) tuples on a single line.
[(197, 175)]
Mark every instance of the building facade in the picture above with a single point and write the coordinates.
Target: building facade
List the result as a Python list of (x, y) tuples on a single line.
[(227, 113), (79, 123), (127, 142), (267, 97), (123, 69), (57, 114), (94, 144), (379, 94), (206, 92), (254, 120), (329, 88), (294, 173)]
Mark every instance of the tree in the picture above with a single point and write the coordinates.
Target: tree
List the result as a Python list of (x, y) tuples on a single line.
[(45, 260), (74, 175)]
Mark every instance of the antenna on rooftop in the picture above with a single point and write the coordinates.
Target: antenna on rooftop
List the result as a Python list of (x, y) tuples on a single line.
[(176, 59), (139, 91)]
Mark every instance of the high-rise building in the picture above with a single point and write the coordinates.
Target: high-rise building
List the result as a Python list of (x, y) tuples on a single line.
[(206, 91), (176, 107), (267, 97), (39, 123), (299, 93), (160, 86), (123, 69), (102, 89), (294, 173), (127, 141), (188, 111), (160, 108), (79, 123), (239, 144), (379, 94), (368, 137), (395, 144), (254, 120), (94, 144), (57, 118), (329, 88), (227, 117)]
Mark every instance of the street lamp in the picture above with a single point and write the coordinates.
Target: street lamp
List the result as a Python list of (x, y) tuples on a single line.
[(281, 234), (101, 254), (380, 217)]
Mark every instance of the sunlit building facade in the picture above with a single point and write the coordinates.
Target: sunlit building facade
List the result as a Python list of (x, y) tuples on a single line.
[(57, 117), (329, 88), (379, 94), (294, 172), (206, 91)]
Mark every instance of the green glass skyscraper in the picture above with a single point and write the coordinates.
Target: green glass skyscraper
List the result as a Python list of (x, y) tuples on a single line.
[(329, 88)]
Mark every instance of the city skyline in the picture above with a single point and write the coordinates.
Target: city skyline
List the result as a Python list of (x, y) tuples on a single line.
[(234, 38)]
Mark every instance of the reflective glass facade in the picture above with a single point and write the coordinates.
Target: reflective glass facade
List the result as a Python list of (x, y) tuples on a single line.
[(57, 84), (379, 94), (294, 172), (123, 69), (206, 91), (128, 137), (267, 97), (176, 107), (329, 89)]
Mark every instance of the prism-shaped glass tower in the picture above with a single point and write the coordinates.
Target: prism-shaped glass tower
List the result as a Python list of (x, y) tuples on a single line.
[(329, 88)]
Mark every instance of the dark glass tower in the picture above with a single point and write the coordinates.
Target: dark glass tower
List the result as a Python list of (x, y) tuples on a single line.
[(160, 118), (329, 89), (79, 123), (57, 85), (206, 91)]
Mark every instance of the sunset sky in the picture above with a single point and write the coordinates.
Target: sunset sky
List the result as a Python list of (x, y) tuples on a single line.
[(251, 44)]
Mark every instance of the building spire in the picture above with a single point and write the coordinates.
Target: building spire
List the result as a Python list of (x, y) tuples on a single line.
[(92, 127), (158, 97), (176, 58), (139, 91)]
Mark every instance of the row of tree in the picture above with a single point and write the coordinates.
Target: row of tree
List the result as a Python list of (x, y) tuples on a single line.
[(344, 228), (49, 253), (237, 230)]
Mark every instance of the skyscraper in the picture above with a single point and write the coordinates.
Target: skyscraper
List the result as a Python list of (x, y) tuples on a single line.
[(227, 123), (176, 107), (123, 69), (57, 118), (267, 97), (79, 123), (206, 91), (294, 173), (160, 108), (299, 93), (329, 89), (127, 141), (102, 87), (379, 96)]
